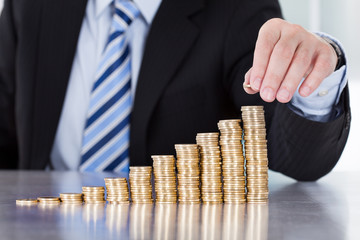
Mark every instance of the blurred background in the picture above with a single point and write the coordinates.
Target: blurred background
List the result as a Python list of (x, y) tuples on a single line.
[(339, 19)]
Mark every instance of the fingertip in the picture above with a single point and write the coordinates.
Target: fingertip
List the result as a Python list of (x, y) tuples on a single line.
[(267, 94), (247, 89), (256, 84), (283, 96), (305, 91)]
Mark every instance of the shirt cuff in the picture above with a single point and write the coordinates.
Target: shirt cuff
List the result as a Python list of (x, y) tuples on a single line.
[(320, 106)]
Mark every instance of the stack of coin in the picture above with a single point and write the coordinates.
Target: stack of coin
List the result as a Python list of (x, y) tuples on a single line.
[(117, 190), (255, 154), (26, 202), (49, 200), (140, 184), (165, 178), (232, 161), (71, 198), (188, 172), (210, 166), (94, 194)]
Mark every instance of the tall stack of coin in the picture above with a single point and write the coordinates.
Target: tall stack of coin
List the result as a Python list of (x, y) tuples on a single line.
[(94, 194), (188, 172), (140, 184), (49, 200), (117, 190), (255, 153), (165, 178), (210, 165), (232, 161), (71, 198)]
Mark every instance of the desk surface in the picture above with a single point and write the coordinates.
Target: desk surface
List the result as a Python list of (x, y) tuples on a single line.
[(327, 209)]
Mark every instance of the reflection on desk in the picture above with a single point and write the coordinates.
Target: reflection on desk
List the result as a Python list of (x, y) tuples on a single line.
[(168, 221)]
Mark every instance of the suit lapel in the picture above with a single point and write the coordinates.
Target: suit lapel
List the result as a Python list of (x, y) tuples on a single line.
[(60, 27), (170, 39)]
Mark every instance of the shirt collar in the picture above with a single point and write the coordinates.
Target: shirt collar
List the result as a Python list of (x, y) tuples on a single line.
[(148, 8)]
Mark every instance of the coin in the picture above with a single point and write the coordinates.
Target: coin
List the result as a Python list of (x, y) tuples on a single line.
[(255, 153), (210, 165), (26, 202), (49, 200), (233, 160), (93, 194), (140, 184), (188, 175), (117, 190), (164, 178), (71, 198)]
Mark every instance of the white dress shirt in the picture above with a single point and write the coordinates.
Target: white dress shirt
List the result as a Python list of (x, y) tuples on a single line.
[(65, 154)]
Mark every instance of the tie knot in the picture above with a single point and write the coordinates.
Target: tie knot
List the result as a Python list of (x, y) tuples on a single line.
[(124, 13)]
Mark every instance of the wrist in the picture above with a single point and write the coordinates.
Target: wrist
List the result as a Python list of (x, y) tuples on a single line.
[(338, 51)]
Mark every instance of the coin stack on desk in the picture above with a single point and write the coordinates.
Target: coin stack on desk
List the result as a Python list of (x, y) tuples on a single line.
[(71, 198), (255, 153), (232, 161), (140, 184), (165, 178), (210, 166), (49, 200), (117, 190), (27, 202), (188, 173), (94, 194)]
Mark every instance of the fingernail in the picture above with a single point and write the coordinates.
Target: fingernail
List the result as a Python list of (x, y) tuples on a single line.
[(268, 94), (305, 91), (283, 95), (257, 83)]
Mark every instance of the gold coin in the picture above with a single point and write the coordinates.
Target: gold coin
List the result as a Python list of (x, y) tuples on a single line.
[(27, 202)]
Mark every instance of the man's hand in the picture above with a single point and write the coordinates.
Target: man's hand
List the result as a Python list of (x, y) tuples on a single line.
[(285, 53)]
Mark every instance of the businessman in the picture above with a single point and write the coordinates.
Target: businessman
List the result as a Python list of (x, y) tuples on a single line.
[(100, 84)]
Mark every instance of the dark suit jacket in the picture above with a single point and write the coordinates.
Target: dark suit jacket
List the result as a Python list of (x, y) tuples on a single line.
[(196, 55)]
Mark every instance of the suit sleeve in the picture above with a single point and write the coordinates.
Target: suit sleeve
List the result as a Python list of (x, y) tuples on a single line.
[(299, 148), (8, 142)]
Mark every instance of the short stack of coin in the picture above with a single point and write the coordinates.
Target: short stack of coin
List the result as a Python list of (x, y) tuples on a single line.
[(71, 198), (210, 166), (117, 190), (165, 178), (27, 202), (232, 161), (49, 200), (188, 173), (94, 194), (140, 184), (255, 153)]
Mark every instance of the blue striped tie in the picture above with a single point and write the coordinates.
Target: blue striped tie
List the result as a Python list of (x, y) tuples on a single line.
[(105, 144)]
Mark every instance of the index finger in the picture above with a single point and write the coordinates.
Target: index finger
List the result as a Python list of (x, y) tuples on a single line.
[(265, 43)]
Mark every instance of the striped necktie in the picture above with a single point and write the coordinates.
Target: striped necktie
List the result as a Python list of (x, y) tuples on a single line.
[(106, 137)]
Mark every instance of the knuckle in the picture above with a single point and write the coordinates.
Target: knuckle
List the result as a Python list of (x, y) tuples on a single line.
[(324, 64), (263, 45), (297, 28), (291, 32), (284, 51), (265, 33), (313, 81), (270, 24), (294, 31), (275, 21), (274, 77), (303, 57)]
